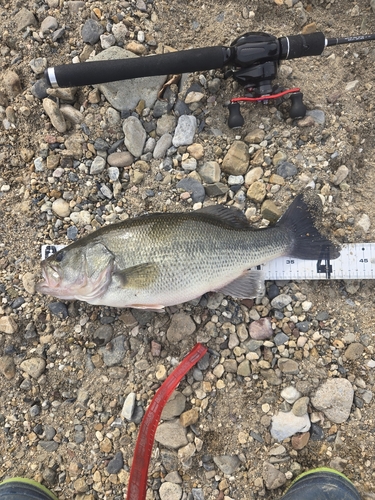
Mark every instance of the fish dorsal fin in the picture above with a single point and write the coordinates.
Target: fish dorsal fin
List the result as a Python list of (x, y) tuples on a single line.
[(229, 215), (248, 286), (139, 276)]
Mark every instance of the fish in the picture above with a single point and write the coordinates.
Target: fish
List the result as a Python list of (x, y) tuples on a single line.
[(164, 259)]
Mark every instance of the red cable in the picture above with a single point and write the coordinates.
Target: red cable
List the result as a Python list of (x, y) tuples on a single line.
[(266, 97), (138, 474)]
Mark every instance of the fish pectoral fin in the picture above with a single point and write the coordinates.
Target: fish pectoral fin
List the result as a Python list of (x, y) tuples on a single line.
[(248, 286), (139, 276)]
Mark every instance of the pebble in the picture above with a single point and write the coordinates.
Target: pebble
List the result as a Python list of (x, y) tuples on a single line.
[(171, 434), (257, 192), (54, 114), (288, 366), (49, 446), (125, 95), (261, 329), (194, 187), (364, 223), (286, 169), (114, 352), (174, 406), (8, 325), (281, 301), (228, 464), (58, 309), (38, 65), (341, 174), (162, 145), (210, 172), (273, 477), (299, 441), (181, 326), (48, 24), (34, 367), (71, 114), (236, 161), (12, 83), (170, 491), (334, 398), (255, 136), (189, 165), (61, 208), (317, 115), (300, 407), (286, 424), (135, 136), (189, 417), (253, 175), (24, 18), (97, 166), (120, 159), (115, 464), (290, 394), (91, 31), (185, 131), (7, 367), (354, 351)]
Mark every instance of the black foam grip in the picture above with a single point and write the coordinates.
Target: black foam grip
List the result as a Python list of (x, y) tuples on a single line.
[(302, 45), (186, 61)]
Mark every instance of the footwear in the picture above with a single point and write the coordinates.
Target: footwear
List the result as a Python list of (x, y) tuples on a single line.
[(21, 488)]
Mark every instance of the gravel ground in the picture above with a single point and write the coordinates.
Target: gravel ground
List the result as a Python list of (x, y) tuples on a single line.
[(290, 379)]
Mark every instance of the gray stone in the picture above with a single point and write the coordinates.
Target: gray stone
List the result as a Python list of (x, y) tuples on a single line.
[(210, 172), (115, 465), (334, 398), (286, 169), (273, 478), (318, 115), (341, 174), (174, 406), (281, 301), (185, 131), (114, 352), (181, 327), (227, 463), (162, 146), (288, 366), (170, 491), (91, 31), (97, 166), (24, 18), (189, 165), (126, 94), (38, 65), (194, 187), (49, 446), (286, 424), (354, 351), (103, 334), (135, 136), (48, 24), (171, 434), (216, 189), (271, 377)]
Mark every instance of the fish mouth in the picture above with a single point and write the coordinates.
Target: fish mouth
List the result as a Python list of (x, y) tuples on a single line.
[(50, 279)]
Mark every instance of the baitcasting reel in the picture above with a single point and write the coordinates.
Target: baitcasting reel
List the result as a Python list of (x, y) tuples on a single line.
[(254, 59)]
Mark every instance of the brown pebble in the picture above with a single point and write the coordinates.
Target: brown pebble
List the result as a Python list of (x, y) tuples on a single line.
[(189, 417), (12, 83), (299, 441)]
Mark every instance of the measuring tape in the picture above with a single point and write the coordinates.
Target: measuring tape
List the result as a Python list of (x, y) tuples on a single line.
[(138, 474), (356, 262)]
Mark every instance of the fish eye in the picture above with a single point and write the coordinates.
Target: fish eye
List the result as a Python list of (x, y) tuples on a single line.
[(59, 256)]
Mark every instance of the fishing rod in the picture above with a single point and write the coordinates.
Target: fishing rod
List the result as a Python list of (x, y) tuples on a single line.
[(253, 60)]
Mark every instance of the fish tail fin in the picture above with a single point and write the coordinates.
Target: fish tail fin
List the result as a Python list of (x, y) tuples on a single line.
[(300, 220)]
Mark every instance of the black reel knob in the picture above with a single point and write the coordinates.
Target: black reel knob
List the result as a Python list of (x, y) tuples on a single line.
[(235, 119), (297, 109)]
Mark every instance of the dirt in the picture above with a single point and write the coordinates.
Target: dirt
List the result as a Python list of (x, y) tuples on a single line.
[(67, 344)]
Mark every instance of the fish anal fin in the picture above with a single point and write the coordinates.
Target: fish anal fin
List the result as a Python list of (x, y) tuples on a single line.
[(138, 277), (248, 286)]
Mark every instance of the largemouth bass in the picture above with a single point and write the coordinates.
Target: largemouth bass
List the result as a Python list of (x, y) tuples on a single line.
[(160, 260)]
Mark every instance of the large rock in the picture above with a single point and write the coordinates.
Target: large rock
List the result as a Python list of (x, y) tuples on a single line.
[(236, 161), (126, 94), (334, 398)]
